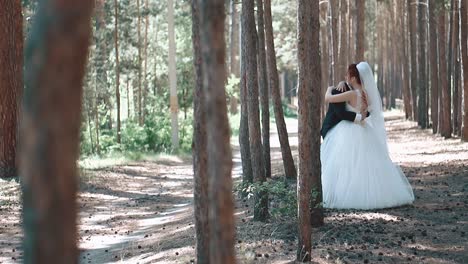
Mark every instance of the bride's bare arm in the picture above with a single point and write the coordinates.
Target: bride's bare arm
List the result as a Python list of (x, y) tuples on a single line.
[(338, 98)]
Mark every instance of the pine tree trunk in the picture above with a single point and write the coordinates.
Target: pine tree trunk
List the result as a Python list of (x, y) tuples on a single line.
[(334, 11), (324, 50), (11, 83), (50, 130), (264, 90), (273, 83), (309, 211), (414, 73), (258, 169), (145, 66), (405, 64), (422, 85), (234, 36), (117, 65), (360, 30), (342, 55), (221, 212), (244, 141), (200, 156), (140, 95), (455, 65), (445, 128), (433, 66), (173, 78), (464, 56)]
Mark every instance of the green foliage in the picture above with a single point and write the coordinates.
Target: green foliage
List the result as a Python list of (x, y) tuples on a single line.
[(282, 196)]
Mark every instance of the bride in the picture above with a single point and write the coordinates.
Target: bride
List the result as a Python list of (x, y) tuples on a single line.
[(357, 171)]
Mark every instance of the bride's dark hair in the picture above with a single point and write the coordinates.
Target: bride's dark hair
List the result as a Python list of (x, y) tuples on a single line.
[(353, 72)]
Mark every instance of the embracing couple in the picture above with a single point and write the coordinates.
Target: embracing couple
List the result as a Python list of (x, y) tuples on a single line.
[(357, 172)]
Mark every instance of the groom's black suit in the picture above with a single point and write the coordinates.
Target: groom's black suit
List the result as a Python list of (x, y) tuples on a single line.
[(336, 113)]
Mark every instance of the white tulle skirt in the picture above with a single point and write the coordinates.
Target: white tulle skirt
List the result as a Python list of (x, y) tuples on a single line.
[(357, 172)]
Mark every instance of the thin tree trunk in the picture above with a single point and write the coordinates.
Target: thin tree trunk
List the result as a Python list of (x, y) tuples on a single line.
[(264, 90), (140, 95), (360, 30), (304, 42), (445, 128), (273, 83), (414, 73), (344, 48), (117, 65), (145, 66), (422, 103), (173, 78), (455, 65), (50, 130), (200, 156), (244, 141), (405, 64), (258, 169), (324, 50), (334, 12), (11, 83), (234, 36), (128, 98), (221, 214), (434, 66), (464, 56)]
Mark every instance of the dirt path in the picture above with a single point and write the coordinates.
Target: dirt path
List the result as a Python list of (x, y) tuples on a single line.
[(142, 212)]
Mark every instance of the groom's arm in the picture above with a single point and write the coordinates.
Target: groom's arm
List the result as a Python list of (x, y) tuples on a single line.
[(340, 110)]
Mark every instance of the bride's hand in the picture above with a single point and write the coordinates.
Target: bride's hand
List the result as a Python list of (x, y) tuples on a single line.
[(341, 87)]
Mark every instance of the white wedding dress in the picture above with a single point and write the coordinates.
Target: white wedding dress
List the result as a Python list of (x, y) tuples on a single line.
[(357, 172)]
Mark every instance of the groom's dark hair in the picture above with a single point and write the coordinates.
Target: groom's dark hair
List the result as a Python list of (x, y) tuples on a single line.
[(353, 72)]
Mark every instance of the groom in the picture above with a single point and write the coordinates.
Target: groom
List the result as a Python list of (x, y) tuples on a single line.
[(337, 112)]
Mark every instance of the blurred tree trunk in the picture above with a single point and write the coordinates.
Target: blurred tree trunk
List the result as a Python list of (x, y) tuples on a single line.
[(244, 141), (455, 66), (360, 30), (117, 65), (11, 83), (140, 94), (445, 127), (234, 36), (50, 130), (324, 50), (464, 56), (344, 48), (264, 90), (273, 83), (304, 42), (433, 66), (200, 156), (173, 78), (250, 35), (414, 73), (405, 62), (145, 66), (221, 212), (334, 12), (422, 85)]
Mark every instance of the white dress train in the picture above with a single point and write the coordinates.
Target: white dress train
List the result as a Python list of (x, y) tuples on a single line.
[(357, 172)]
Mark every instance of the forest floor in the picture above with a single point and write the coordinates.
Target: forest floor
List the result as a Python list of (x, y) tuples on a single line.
[(141, 212)]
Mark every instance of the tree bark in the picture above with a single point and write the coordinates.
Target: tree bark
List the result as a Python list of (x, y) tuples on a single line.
[(422, 103), (117, 65), (200, 156), (334, 12), (173, 78), (445, 127), (309, 208), (273, 83), (234, 36), (258, 169), (360, 30), (433, 66), (140, 94), (50, 129), (405, 64), (455, 65), (343, 50), (464, 56), (264, 90), (11, 83), (221, 214), (414, 73)]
